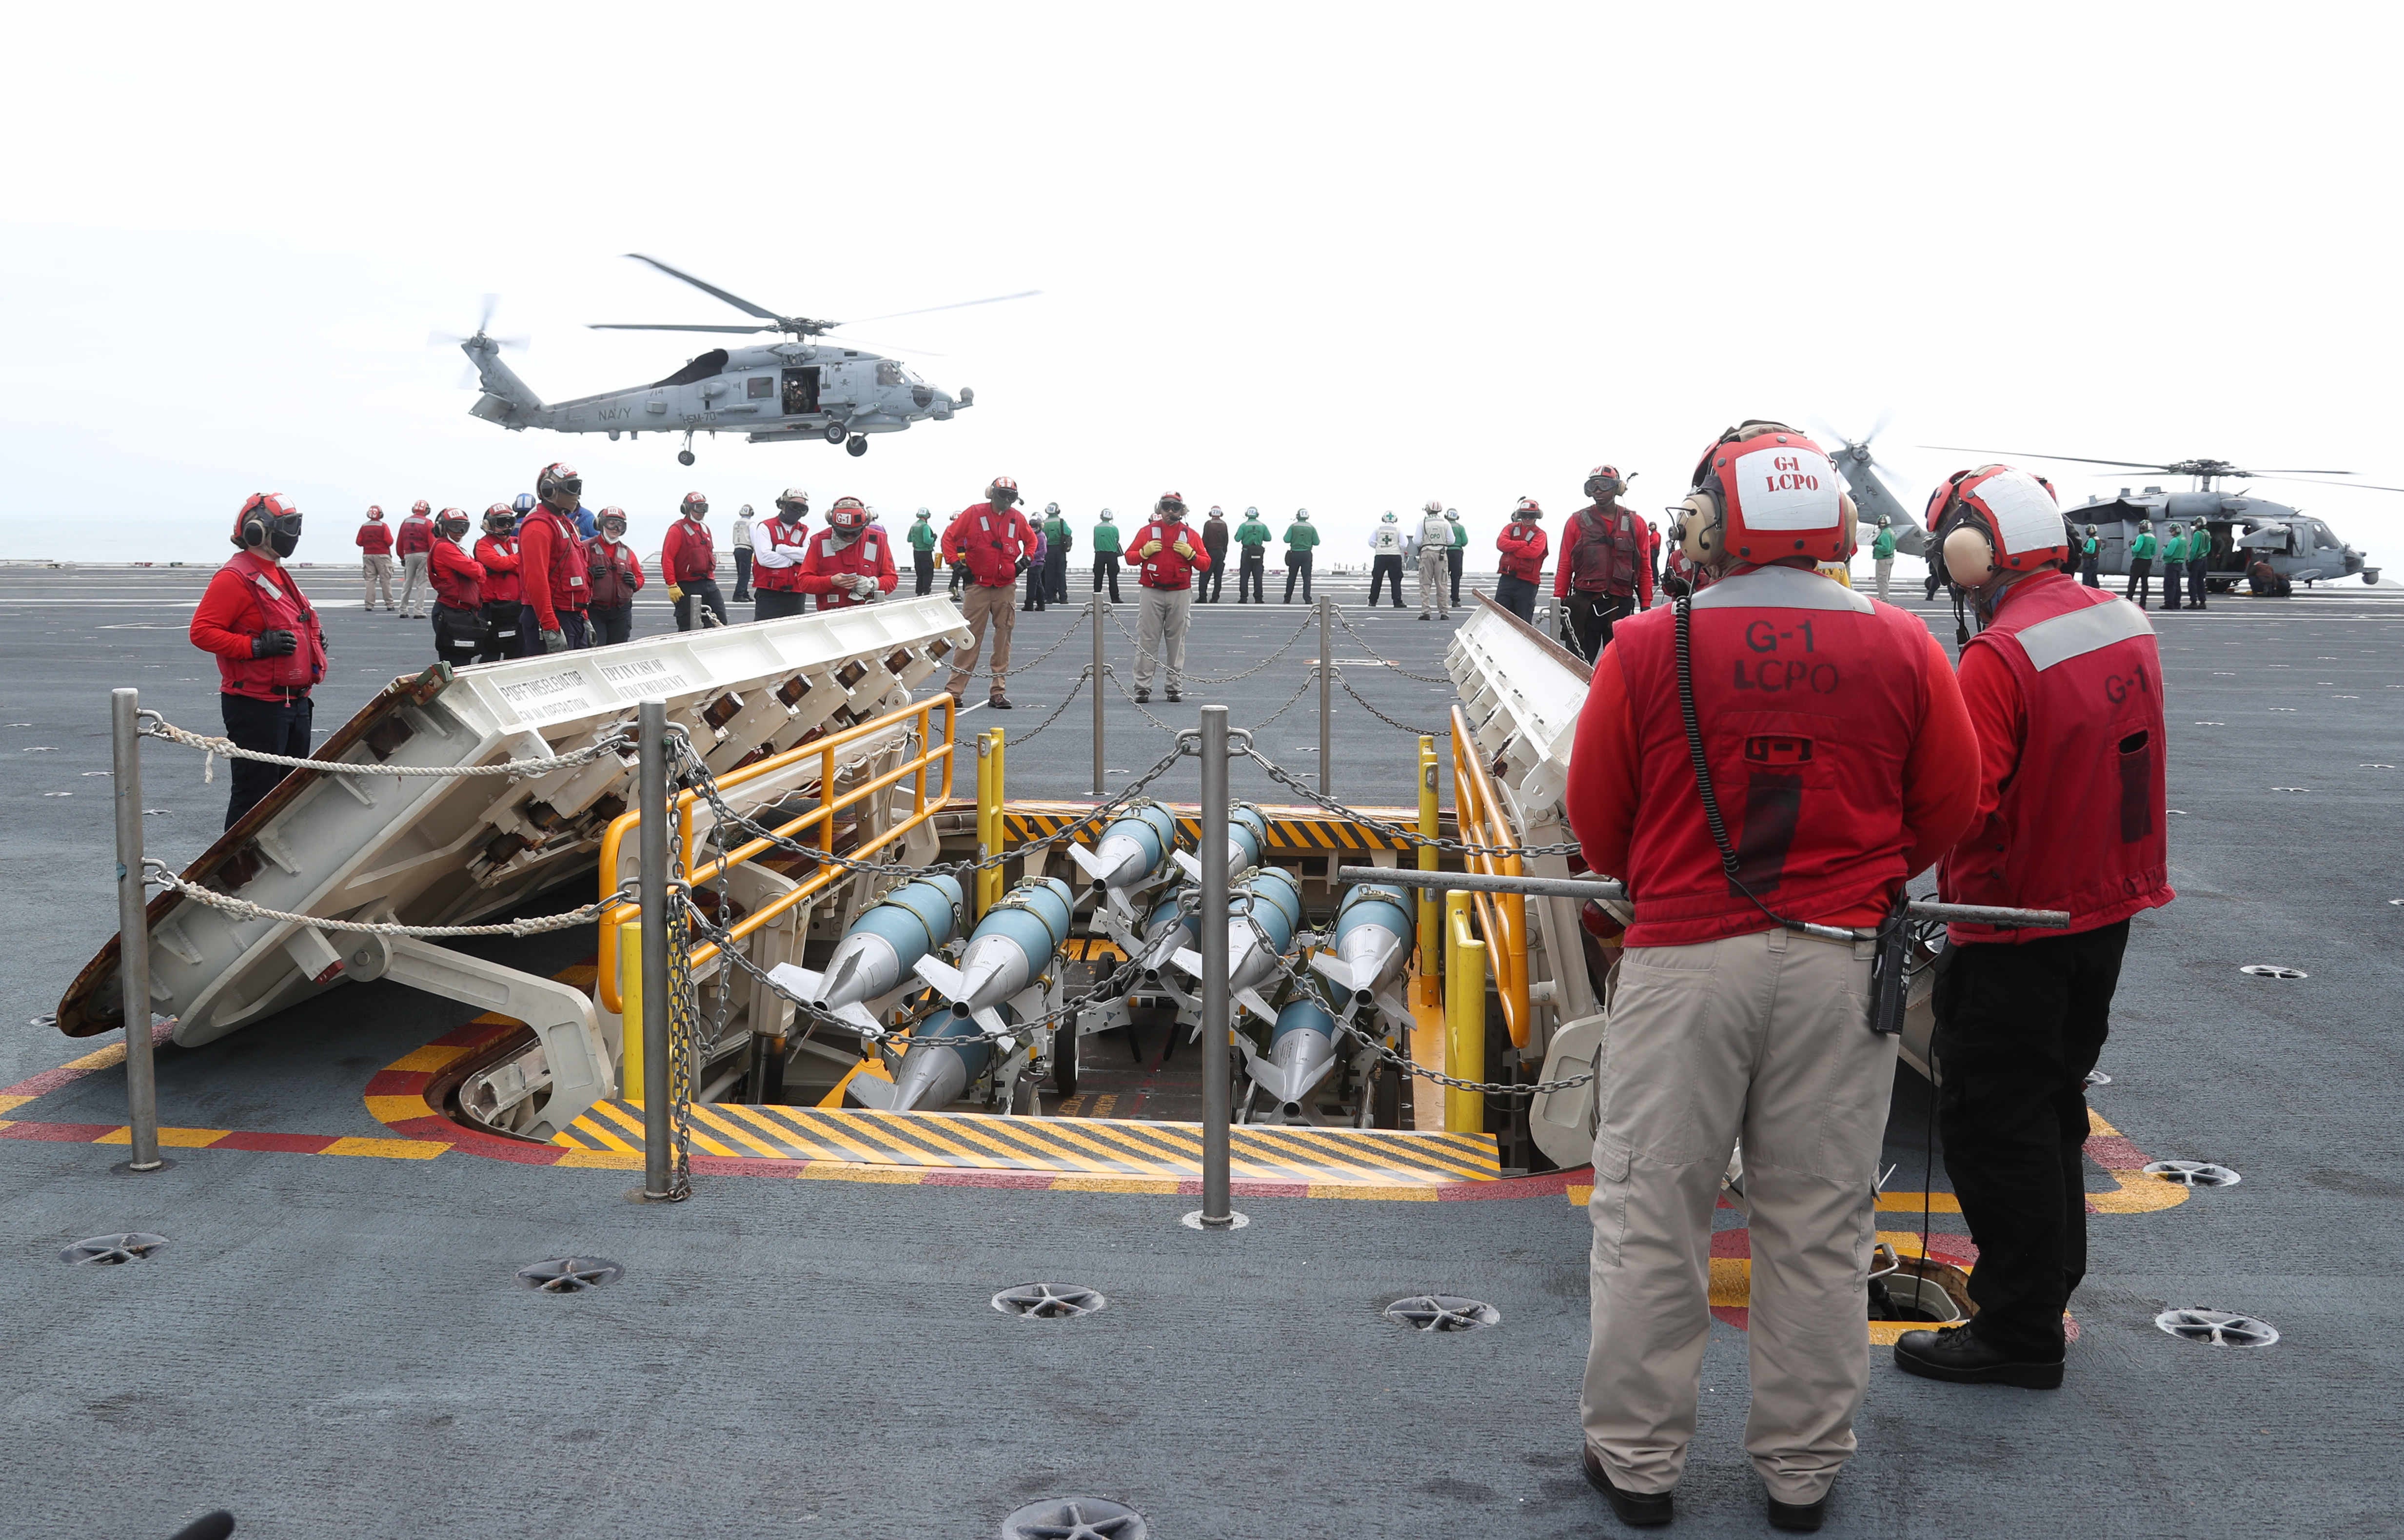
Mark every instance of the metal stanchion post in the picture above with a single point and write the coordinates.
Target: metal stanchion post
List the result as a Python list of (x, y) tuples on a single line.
[(1431, 829), (134, 930), (651, 801), (1326, 697), (1099, 610), (1217, 1095), (1464, 1018)]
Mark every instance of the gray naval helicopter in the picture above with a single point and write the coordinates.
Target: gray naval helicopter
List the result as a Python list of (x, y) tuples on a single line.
[(807, 386), (2299, 547)]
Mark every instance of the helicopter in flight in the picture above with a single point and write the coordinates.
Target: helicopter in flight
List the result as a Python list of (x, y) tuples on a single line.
[(809, 385), (2243, 527)]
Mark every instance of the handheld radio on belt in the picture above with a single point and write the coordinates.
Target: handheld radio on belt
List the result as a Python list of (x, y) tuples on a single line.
[(1886, 969)]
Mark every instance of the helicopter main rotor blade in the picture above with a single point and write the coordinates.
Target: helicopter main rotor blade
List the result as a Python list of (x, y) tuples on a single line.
[(451, 338), (736, 300), (882, 347), (484, 322), (895, 315), (663, 325), (2074, 459), (2317, 481), (2300, 470)]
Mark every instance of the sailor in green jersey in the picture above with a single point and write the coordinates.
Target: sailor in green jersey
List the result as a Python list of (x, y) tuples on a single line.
[(1460, 546), (922, 549), (2141, 565), (2173, 566), (1057, 541), (1106, 555), (1299, 537), (1252, 535), (1882, 554), (2091, 558)]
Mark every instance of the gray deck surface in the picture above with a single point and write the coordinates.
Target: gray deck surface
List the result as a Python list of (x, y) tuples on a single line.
[(335, 1347)]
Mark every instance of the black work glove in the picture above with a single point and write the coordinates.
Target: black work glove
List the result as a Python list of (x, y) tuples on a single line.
[(274, 644), (1022, 564)]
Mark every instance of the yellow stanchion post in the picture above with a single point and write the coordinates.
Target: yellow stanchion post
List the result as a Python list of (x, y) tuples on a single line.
[(989, 784), (1465, 1016), (630, 989), (1430, 828)]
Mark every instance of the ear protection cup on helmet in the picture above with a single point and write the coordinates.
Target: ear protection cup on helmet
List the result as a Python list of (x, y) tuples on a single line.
[(1969, 553), (1699, 527)]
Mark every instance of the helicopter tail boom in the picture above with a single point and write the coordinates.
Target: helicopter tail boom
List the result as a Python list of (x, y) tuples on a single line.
[(507, 399)]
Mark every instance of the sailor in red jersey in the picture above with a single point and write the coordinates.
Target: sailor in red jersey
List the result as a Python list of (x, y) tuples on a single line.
[(376, 557), (269, 648), (990, 541), (2065, 688), (416, 535), (459, 591), (1524, 546), (1765, 767), (551, 565), (850, 561), (689, 566), (504, 609)]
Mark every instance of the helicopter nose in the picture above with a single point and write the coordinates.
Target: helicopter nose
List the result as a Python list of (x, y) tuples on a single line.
[(923, 395)]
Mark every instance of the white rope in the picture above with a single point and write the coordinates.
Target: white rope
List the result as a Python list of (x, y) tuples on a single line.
[(156, 726), (156, 873)]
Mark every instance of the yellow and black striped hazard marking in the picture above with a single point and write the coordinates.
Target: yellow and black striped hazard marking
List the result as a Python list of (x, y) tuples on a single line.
[(1291, 829), (1077, 1146)]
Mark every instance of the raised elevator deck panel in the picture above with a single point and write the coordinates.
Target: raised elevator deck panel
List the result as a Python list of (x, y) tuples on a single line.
[(1366, 1157)]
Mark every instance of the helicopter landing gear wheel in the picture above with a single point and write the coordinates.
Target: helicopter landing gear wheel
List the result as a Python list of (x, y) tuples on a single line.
[(684, 456), (834, 433), (858, 446)]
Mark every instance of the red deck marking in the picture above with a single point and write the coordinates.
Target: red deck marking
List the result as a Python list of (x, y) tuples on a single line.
[(60, 1133)]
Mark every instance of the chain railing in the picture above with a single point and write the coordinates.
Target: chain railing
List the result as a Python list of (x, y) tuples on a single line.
[(153, 725), (1262, 666), (1367, 647)]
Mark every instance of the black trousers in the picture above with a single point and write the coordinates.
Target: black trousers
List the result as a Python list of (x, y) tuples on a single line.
[(2018, 1028), (742, 573), (1056, 577), (959, 577), (1517, 594), (1248, 575), (270, 727), (1297, 564), (1106, 566), (500, 638), (611, 623), (2087, 571), (775, 604), (2141, 581), (571, 625), (1033, 598), (2195, 581), (458, 635), (1207, 591), (1380, 570), (698, 593), (923, 563), (1452, 565), (1591, 617)]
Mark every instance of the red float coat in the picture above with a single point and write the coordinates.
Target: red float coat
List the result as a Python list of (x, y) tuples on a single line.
[(991, 543), (616, 572), (1167, 568), (778, 551), (1523, 546), (458, 578), (1600, 557), (550, 566), (2065, 688), (871, 554), (1837, 744), (416, 533), (687, 554), (375, 537), (250, 594), (498, 557)]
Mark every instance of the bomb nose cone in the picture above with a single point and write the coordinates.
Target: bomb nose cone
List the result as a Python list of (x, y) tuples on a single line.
[(931, 1076), (862, 967), (1120, 861)]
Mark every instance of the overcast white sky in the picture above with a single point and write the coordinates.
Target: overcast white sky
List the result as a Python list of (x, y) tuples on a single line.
[(1348, 258)]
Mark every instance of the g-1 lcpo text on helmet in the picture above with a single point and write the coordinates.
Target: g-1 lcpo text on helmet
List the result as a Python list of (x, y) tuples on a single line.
[(848, 515), (559, 486), (1605, 481), (1764, 493), (1996, 519), (263, 516), (693, 505), (794, 498)]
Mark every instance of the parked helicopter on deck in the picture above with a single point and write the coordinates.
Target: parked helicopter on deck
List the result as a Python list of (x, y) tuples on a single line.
[(803, 387)]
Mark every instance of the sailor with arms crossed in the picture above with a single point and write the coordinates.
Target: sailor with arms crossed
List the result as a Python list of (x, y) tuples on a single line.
[(1765, 763)]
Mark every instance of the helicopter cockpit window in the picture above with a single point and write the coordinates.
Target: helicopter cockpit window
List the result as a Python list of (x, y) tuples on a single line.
[(888, 373), (759, 388)]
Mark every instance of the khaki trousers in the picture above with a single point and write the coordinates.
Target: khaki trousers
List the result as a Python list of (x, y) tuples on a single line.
[(1885, 567), (1435, 578), (417, 589), (1160, 626), (377, 572), (980, 606), (1763, 1037)]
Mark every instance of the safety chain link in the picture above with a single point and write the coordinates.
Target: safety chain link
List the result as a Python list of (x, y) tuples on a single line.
[(1381, 658), (1018, 667), (151, 725), (157, 875), (1075, 690), (1129, 696), (1310, 678), (1346, 685), (1227, 678)]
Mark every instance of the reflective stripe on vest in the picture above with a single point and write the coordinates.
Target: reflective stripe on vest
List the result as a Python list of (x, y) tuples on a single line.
[(2081, 632)]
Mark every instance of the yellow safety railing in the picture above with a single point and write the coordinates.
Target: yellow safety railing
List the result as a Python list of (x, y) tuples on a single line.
[(1431, 829), (931, 754), (1465, 1016), (1478, 819), (990, 827)]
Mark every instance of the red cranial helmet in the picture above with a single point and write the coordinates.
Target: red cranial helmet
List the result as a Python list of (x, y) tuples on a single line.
[(1529, 508), (1763, 493), (559, 486), (695, 505), (421, 508), (848, 515), (1996, 518), (375, 512), (1001, 489), (262, 515), (1170, 500), (501, 519), (1605, 480)]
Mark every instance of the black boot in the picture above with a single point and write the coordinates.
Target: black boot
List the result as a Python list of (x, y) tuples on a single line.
[(1955, 1354), (1805, 1518), (1636, 1509)]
